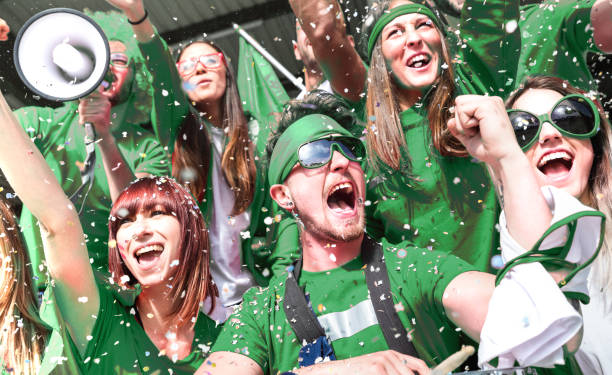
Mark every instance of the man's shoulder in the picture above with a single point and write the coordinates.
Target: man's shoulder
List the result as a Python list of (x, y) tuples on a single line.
[(43, 114)]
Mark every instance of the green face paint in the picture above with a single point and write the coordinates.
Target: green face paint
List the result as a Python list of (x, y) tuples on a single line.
[(392, 14), (308, 128)]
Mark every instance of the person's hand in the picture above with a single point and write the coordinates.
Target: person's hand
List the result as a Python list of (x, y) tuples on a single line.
[(482, 125), (133, 9), (388, 362), (95, 108), (4, 30)]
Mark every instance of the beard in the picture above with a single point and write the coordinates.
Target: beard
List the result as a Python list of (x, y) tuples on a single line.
[(346, 233)]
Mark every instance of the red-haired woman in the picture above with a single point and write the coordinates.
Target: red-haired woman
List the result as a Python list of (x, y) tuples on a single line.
[(149, 317), (216, 152)]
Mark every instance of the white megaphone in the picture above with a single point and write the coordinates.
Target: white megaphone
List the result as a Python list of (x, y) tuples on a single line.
[(61, 54)]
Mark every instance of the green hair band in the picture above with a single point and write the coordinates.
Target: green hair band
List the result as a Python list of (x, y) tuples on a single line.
[(306, 129), (392, 14)]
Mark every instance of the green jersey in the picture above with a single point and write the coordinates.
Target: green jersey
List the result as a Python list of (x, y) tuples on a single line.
[(446, 204), (340, 300), (118, 344), (60, 139), (556, 37)]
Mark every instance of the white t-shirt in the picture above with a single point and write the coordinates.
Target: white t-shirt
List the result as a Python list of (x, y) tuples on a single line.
[(325, 86), (227, 269), (594, 355)]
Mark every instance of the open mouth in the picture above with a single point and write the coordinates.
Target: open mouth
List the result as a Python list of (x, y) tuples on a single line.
[(341, 198), (419, 61), (148, 254), (556, 164)]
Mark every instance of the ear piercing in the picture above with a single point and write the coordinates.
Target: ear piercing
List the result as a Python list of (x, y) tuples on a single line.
[(290, 203)]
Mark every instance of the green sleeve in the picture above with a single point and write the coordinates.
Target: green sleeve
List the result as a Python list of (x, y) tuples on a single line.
[(150, 158), (170, 104), (489, 52), (287, 247), (579, 32), (30, 119), (243, 332)]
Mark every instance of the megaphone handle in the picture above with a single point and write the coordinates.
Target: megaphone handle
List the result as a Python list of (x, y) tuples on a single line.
[(90, 133)]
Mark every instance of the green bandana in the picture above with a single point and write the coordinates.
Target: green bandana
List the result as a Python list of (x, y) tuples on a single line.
[(392, 14), (306, 129)]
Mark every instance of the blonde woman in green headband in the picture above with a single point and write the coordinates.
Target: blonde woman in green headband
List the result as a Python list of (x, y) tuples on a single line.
[(423, 186)]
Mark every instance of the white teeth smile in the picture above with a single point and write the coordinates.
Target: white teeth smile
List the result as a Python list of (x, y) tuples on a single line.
[(345, 185), (553, 156), (148, 249), (418, 61)]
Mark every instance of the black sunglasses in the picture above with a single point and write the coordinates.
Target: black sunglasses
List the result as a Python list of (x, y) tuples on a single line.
[(573, 115), (317, 153)]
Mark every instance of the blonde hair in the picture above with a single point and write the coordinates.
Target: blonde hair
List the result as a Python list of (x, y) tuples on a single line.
[(22, 338)]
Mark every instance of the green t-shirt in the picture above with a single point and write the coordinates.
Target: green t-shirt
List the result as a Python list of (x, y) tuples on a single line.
[(260, 251), (556, 37), (60, 139), (447, 204), (339, 297), (119, 344)]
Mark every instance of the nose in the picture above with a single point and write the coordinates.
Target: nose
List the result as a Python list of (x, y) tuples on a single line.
[(200, 68), (549, 134), (140, 228), (338, 162), (413, 38)]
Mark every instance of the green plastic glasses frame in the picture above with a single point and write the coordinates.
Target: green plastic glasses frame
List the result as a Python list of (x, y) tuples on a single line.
[(572, 123)]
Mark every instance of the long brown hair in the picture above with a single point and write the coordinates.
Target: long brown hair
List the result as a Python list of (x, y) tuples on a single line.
[(192, 150), (385, 136), (192, 282), (22, 335), (600, 178)]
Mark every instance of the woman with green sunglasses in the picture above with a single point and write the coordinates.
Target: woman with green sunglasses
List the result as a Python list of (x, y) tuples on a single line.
[(565, 138)]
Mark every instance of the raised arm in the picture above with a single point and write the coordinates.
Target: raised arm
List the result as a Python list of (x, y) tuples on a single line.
[(323, 23), (64, 244), (170, 103), (96, 109), (601, 20), (482, 125)]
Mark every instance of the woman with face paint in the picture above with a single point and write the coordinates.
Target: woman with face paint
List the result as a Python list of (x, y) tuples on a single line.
[(158, 311), (216, 153), (565, 141), (423, 186)]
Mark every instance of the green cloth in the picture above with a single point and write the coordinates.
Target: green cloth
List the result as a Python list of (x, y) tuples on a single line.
[(262, 93), (260, 330), (448, 203), (119, 344), (59, 137), (306, 129), (556, 37), (171, 105)]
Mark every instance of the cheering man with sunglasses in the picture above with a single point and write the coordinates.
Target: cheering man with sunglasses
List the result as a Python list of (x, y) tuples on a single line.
[(353, 306), (123, 149)]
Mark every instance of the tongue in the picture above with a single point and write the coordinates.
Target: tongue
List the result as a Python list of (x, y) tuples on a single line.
[(555, 169), (339, 206), (148, 258)]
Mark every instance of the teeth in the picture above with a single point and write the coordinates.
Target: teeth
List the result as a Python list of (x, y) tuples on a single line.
[(554, 155), (419, 60), (345, 185), (148, 249)]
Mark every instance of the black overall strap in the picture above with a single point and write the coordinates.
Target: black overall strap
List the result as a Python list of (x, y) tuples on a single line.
[(303, 321), (379, 286), (305, 324)]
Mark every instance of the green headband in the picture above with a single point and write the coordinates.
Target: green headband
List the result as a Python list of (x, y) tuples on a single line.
[(392, 14), (308, 128)]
